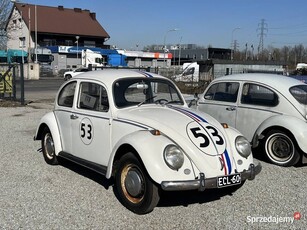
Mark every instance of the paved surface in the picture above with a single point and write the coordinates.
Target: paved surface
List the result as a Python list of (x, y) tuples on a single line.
[(34, 195)]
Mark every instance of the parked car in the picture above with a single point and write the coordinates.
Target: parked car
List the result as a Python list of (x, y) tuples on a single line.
[(270, 111), (70, 74), (136, 127)]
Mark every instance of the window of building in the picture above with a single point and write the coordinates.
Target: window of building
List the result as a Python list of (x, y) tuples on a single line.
[(89, 43), (69, 43), (22, 42)]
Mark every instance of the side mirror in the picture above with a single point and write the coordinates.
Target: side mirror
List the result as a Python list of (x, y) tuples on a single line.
[(193, 102)]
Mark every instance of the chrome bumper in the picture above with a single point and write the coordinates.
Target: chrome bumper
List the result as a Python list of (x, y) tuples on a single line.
[(206, 183)]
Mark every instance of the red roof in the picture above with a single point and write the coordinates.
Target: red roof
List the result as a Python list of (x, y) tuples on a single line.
[(60, 20)]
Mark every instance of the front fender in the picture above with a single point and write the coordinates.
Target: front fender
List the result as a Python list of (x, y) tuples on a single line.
[(296, 126), (150, 149), (49, 120)]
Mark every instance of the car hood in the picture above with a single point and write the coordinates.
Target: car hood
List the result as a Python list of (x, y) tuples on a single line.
[(193, 131)]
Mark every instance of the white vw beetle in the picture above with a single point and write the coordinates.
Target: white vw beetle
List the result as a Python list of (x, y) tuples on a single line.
[(269, 109), (136, 127)]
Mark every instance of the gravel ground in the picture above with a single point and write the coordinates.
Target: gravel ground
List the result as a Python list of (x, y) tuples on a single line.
[(34, 195)]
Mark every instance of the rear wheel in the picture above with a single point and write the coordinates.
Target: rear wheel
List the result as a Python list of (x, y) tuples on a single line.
[(135, 188), (48, 148), (280, 149)]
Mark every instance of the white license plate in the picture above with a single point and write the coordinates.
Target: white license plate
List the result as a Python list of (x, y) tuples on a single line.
[(229, 180)]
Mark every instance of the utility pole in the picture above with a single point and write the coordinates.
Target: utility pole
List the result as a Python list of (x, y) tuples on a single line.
[(262, 29)]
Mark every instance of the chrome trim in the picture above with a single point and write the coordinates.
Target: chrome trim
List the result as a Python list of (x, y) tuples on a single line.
[(202, 183)]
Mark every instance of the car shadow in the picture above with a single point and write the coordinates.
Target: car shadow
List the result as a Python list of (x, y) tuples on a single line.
[(167, 199), (186, 198), (88, 173)]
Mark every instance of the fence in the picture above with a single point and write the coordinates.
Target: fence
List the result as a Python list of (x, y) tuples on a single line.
[(9, 82)]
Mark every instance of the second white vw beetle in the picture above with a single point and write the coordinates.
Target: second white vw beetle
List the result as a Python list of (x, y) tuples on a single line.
[(269, 109), (136, 127)]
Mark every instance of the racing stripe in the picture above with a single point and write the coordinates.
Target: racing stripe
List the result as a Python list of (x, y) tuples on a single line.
[(192, 115), (228, 162), (146, 74)]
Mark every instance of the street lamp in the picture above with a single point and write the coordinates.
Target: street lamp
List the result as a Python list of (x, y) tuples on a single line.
[(164, 43), (232, 42), (77, 37)]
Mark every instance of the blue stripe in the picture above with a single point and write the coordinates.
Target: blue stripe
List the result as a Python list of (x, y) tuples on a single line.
[(189, 112), (228, 161)]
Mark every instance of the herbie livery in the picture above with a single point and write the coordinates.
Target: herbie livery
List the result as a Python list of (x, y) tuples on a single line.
[(136, 127)]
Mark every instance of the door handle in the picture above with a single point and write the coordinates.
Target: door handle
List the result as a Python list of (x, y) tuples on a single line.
[(231, 108), (73, 116)]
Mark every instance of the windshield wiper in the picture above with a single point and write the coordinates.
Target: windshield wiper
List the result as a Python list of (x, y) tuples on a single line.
[(148, 99)]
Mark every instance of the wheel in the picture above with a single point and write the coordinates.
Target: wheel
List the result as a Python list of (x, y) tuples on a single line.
[(48, 148), (135, 189), (280, 149), (67, 77)]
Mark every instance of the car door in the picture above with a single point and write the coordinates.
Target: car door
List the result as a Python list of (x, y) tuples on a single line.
[(90, 124), (257, 103), (63, 113), (220, 101)]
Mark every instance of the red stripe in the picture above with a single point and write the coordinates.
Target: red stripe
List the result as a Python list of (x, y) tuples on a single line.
[(225, 166)]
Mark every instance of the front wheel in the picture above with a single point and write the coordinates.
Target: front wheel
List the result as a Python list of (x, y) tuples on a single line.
[(48, 148), (135, 189), (280, 149)]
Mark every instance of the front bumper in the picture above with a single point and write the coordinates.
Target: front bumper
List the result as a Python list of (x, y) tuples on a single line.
[(207, 183)]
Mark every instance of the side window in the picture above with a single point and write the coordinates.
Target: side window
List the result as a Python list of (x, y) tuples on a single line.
[(225, 91), (258, 95), (93, 97), (66, 96)]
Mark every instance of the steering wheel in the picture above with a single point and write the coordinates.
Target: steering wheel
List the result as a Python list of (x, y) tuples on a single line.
[(161, 101)]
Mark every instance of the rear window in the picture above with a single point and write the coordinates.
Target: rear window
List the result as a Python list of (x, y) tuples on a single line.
[(299, 92)]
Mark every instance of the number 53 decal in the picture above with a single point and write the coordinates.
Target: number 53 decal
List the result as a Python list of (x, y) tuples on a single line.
[(207, 138), (86, 131)]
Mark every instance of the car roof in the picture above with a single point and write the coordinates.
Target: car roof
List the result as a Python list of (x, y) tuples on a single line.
[(274, 80), (108, 76)]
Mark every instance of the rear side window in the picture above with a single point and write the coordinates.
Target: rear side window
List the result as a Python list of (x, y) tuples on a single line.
[(66, 96), (225, 91), (254, 94), (299, 92)]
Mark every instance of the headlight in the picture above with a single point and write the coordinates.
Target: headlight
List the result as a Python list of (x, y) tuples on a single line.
[(243, 146), (173, 157)]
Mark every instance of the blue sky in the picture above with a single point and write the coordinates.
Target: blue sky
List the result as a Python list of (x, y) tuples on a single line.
[(202, 22)]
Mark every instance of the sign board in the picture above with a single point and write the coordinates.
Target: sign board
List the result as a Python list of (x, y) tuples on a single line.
[(6, 84)]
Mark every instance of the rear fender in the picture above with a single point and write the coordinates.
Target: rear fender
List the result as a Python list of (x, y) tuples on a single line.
[(49, 121)]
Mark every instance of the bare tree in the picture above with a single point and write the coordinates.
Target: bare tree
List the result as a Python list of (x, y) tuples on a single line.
[(5, 9)]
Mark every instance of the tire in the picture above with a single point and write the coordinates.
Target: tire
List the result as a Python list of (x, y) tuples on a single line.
[(135, 189), (48, 148), (280, 148)]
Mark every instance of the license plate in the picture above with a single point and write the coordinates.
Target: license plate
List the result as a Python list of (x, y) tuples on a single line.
[(229, 180)]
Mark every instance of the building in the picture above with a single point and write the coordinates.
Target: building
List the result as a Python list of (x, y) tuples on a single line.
[(64, 34), (32, 26)]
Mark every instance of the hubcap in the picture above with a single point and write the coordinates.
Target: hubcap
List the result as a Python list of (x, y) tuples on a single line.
[(280, 147), (49, 146), (133, 183)]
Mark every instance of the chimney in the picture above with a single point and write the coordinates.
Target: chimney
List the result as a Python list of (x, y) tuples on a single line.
[(93, 16), (77, 10), (60, 7)]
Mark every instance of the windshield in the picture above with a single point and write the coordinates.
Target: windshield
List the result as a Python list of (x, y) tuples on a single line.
[(299, 92), (138, 91)]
